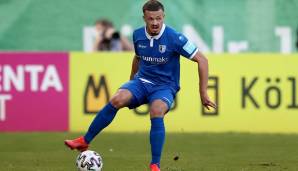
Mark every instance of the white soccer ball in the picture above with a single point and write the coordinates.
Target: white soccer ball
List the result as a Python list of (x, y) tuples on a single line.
[(89, 161)]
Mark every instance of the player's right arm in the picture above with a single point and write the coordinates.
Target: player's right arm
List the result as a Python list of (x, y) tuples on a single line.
[(136, 59), (134, 67)]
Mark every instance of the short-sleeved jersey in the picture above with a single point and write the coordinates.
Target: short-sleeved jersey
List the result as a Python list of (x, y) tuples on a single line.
[(160, 56)]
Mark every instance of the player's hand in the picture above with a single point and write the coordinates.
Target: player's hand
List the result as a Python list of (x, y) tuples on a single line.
[(206, 102)]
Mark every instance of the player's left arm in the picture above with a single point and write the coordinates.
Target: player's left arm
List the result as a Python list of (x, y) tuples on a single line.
[(203, 78), (189, 50)]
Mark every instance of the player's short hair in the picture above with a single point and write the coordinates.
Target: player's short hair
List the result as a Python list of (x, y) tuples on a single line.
[(153, 5)]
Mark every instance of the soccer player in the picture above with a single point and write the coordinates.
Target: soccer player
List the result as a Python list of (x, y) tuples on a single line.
[(154, 79)]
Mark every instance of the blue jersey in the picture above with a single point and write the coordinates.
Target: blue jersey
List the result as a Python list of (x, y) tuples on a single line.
[(160, 56)]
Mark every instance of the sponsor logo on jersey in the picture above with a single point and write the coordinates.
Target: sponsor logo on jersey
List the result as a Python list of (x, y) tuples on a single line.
[(155, 60), (142, 46)]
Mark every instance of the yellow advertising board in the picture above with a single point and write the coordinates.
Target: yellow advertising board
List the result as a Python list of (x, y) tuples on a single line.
[(254, 92)]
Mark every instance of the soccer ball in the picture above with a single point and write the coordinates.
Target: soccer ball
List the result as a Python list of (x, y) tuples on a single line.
[(89, 161)]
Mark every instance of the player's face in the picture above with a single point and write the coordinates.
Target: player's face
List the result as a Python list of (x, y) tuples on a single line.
[(154, 21)]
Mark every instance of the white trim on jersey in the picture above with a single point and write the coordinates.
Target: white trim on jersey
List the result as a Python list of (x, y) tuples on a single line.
[(145, 81), (194, 53), (151, 42), (167, 100), (151, 38)]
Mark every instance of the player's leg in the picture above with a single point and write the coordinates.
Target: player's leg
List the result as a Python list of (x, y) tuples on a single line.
[(106, 115), (103, 118), (128, 95), (157, 132), (160, 103)]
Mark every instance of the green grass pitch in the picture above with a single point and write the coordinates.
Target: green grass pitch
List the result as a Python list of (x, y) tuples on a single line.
[(131, 152)]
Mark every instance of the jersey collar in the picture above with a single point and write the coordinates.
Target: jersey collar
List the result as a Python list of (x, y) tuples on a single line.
[(157, 36)]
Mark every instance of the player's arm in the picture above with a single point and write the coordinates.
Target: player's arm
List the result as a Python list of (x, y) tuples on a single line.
[(136, 59), (187, 49), (135, 66), (203, 78)]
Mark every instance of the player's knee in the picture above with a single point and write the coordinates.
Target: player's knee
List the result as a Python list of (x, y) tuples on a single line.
[(117, 102), (157, 111), (120, 99)]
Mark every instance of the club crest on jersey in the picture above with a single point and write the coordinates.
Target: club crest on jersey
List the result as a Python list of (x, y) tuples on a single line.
[(162, 48)]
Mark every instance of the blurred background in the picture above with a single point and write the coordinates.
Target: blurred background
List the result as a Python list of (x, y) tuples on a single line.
[(216, 26), (62, 60)]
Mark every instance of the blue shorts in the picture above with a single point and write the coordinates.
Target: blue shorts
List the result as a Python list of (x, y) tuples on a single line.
[(144, 92)]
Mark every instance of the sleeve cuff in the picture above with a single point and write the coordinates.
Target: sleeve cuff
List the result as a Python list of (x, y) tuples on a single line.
[(194, 53)]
